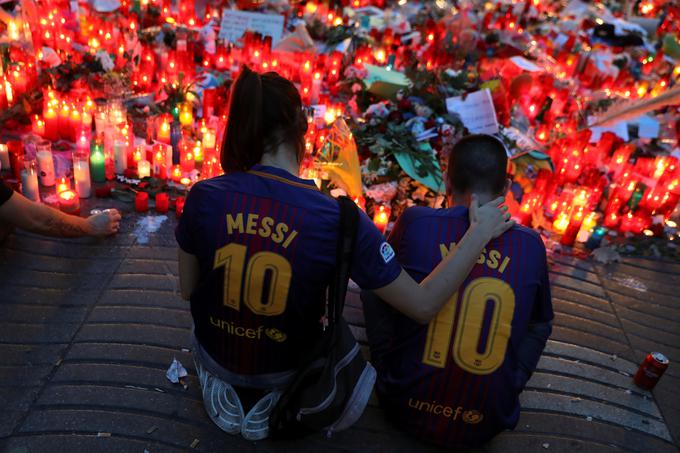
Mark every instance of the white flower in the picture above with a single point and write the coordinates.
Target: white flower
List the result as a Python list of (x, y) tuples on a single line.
[(382, 193), (105, 60)]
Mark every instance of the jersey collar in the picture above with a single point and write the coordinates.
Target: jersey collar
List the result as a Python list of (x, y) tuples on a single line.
[(281, 173)]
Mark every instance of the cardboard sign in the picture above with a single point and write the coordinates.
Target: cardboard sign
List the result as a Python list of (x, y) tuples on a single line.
[(476, 111), (235, 23)]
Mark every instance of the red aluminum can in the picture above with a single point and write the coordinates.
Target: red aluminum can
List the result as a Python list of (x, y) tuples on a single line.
[(651, 370)]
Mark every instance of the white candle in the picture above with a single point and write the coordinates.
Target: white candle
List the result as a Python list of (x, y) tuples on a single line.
[(46, 165), (120, 156), (29, 184), (4, 157), (81, 171), (143, 169)]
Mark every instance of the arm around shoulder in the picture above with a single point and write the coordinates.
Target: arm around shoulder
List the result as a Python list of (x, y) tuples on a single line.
[(421, 302)]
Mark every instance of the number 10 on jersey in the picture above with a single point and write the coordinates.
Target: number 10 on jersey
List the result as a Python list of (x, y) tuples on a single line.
[(473, 304)]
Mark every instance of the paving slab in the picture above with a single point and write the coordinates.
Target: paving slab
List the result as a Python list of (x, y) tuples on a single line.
[(88, 328)]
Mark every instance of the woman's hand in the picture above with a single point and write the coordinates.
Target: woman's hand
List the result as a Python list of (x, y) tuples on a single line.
[(491, 218)]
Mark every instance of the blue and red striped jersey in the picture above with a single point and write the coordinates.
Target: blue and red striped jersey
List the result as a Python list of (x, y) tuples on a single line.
[(456, 381), (266, 246)]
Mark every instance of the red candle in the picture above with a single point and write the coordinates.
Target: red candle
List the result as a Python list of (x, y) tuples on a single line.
[(142, 202), (69, 202), (572, 230), (162, 202), (611, 220), (51, 124), (179, 206), (176, 173), (64, 122)]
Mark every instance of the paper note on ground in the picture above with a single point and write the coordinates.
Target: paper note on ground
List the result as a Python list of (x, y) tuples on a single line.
[(476, 111), (235, 23)]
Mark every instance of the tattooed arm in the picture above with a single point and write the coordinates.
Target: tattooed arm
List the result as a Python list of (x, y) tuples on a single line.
[(41, 219)]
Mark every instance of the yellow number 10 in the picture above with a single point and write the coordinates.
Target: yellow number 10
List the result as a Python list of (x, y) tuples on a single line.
[(232, 257), (469, 331)]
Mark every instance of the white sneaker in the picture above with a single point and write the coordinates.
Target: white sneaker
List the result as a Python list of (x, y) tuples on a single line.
[(256, 424), (221, 402)]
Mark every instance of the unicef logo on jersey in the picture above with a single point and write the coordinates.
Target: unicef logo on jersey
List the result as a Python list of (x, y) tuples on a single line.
[(387, 252)]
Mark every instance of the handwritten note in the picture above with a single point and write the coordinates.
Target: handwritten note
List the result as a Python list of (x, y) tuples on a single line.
[(525, 64), (235, 23), (476, 111)]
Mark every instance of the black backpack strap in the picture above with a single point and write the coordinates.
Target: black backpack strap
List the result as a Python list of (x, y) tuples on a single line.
[(349, 222)]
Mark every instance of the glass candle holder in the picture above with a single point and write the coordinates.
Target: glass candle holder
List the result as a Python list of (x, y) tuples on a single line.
[(81, 173)]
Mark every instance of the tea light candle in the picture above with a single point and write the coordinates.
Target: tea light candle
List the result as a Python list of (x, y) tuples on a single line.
[(179, 206), (81, 172), (143, 169), (142, 202), (46, 166), (162, 202), (4, 157), (97, 168), (69, 202), (381, 218)]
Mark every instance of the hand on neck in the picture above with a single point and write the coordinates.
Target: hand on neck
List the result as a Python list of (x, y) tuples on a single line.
[(283, 157)]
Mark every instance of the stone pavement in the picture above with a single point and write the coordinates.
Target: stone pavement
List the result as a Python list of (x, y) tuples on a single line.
[(88, 328)]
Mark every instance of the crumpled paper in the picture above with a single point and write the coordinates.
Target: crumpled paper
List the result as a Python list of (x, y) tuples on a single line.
[(176, 371)]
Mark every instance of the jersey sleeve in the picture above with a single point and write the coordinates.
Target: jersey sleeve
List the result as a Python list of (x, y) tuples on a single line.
[(5, 193), (374, 264), (185, 233)]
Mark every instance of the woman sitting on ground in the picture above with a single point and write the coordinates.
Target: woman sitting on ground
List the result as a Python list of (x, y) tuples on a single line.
[(257, 251)]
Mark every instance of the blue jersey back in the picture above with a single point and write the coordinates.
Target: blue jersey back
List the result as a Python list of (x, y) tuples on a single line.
[(455, 382), (266, 245)]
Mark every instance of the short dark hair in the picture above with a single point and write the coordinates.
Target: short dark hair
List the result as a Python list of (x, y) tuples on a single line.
[(265, 111), (478, 163)]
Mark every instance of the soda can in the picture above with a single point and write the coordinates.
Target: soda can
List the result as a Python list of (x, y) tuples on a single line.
[(651, 370)]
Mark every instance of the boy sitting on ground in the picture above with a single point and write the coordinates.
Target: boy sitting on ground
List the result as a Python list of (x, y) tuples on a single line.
[(456, 382)]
